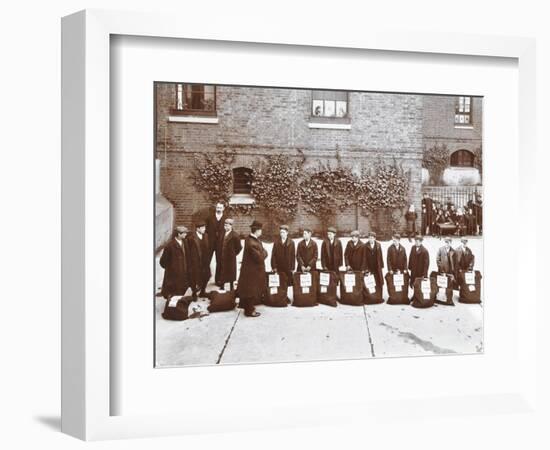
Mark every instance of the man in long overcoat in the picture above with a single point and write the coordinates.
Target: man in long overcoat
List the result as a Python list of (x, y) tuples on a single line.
[(175, 262), (229, 246), (464, 258), (397, 256), (199, 262), (427, 203), (283, 256), (445, 258), (331, 251), (373, 261), (251, 286), (354, 255), (307, 252), (215, 223), (419, 260)]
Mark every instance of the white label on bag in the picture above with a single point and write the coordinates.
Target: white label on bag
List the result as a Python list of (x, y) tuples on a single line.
[(273, 280), (441, 295), (426, 295), (305, 280), (398, 280), (305, 290), (425, 285), (227, 286), (398, 288), (370, 282), (470, 278), (174, 301), (273, 290), (349, 288), (471, 287), (442, 281), (324, 279), (349, 279), (323, 289)]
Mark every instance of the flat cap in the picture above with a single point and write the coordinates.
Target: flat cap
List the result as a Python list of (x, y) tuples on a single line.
[(283, 227), (331, 229), (448, 239), (396, 236), (371, 234), (308, 229), (355, 233), (229, 221), (200, 223), (418, 237), (464, 240), (182, 229)]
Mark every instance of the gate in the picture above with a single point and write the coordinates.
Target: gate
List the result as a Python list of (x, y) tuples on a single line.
[(459, 195)]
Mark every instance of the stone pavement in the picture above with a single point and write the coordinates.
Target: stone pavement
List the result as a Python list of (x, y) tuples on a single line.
[(321, 332)]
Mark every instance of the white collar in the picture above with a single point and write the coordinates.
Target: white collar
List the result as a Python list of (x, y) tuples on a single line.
[(199, 235)]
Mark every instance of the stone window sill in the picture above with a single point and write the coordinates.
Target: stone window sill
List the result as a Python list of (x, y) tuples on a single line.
[(241, 199), (464, 127), (329, 126), (193, 119)]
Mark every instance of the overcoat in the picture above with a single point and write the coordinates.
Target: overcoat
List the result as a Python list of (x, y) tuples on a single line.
[(445, 260), (307, 254), (428, 203), (354, 255), (464, 259), (419, 262), (283, 257), (175, 262), (410, 217), (373, 261), (199, 261), (251, 284), (397, 258), (331, 255), (229, 247), (214, 230)]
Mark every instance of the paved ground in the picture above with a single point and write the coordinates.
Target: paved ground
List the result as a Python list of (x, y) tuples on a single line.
[(321, 332)]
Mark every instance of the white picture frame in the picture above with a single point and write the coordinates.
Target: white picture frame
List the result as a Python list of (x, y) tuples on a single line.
[(87, 354)]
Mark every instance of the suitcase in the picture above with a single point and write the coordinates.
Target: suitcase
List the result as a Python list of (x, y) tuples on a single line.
[(276, 290), (398, 288), (424, 291), (372, 294), (305, 289), (469, 283), (326, 289), (222, 301), (177, 308), (351, 288), (444, 288)]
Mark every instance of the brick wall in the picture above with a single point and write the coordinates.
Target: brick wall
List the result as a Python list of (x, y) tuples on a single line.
[(256, 122)]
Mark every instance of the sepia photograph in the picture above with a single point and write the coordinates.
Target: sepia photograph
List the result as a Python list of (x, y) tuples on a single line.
[(298, 224)]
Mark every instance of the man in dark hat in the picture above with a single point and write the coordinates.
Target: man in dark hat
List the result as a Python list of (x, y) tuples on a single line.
[(354, 255), (199, 259), (445, 258), (331, 251), (464, 258), (215, 223), (373, 261), (251, 285), (419, 260), (397, 256), (283, 256), (175, 262), (229, 247), (307, 251)]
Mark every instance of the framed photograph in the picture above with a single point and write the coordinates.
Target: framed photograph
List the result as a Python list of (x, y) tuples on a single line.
[(238, 237)]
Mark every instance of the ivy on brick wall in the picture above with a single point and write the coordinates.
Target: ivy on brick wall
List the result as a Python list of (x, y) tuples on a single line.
[(383, 186), (436, 160)]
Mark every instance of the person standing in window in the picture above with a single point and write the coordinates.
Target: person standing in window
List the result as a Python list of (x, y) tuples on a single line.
[(307, 252), (175, 262), (215, 231), (331, 251), (229, 247), (283, 255)]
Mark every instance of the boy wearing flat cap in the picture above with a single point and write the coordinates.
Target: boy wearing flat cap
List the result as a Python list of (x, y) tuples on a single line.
[(251, 285), (331, 251), (464, 258), (445, 258), (397, 256), (175, 262), (354, 255), (307, 251), (229, 247), (373, 261), (419, 260), (283, 256), (199, 259)]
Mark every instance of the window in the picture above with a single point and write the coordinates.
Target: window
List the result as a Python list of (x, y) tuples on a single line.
[(195, 99), (462, 158), (329, 104), (242, 181), (463, 111)]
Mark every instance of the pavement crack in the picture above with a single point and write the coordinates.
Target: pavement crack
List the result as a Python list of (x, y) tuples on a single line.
[(368, 332), (228, 337)]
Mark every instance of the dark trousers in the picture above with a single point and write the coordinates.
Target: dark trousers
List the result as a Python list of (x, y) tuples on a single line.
[(247, 304)]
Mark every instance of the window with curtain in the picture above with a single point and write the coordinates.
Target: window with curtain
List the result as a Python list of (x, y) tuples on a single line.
[(463, 111), (195, 99), (329, 104)]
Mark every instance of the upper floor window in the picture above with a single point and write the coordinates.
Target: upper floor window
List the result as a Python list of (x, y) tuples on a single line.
[(329, 104), (242, 180), (462, 158), (463, 111), (199, 99)]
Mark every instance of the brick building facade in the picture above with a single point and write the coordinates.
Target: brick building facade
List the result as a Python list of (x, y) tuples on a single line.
[(360, 127)]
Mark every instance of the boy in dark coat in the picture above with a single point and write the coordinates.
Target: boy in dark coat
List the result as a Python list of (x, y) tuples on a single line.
[(419, 260), (215, 223), (464, 259), (283, 256), (373, 261), (199, 260), (229, 247), (397, 256), (251, 285), (331, 251), (354, 255), (307, 251), (445, 258), (175, 262), (427, 206)]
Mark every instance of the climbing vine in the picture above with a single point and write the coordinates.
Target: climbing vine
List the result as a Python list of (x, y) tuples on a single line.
[(436, 160)]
